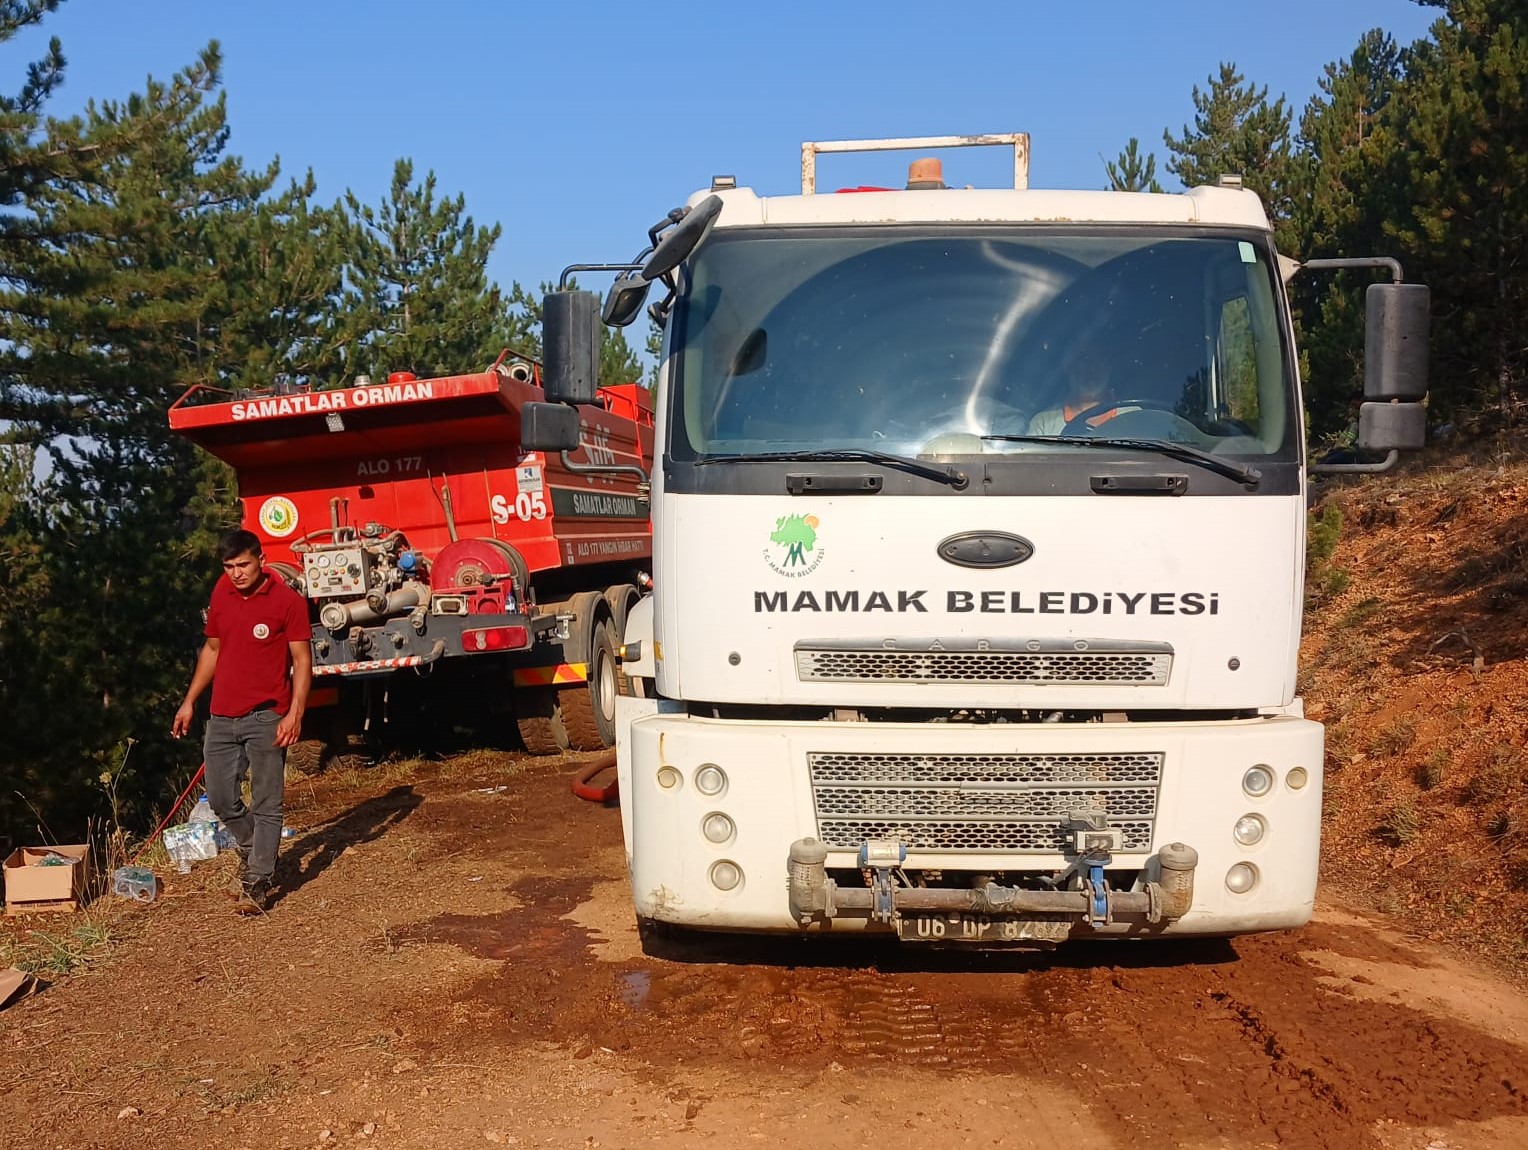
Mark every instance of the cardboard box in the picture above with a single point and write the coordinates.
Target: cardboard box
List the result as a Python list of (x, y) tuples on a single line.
[(32, 887)]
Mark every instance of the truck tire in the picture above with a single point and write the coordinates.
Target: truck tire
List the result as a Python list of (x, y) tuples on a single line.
[(320, 741), (539, 716), (620, 600), (589, 707), (306, 757)]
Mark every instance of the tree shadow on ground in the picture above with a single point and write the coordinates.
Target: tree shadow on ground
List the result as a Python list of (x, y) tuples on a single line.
[(315, 851)]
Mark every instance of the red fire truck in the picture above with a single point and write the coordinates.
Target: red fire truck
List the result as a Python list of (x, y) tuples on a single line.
[(454, 579)]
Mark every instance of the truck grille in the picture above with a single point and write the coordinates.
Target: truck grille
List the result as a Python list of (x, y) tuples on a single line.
[(997, 803), (1148, 665)]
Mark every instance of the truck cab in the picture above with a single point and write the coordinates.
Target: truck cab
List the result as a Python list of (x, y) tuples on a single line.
[(979, 524)]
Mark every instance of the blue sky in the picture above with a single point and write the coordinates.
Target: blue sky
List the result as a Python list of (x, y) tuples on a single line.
[(578, 125)]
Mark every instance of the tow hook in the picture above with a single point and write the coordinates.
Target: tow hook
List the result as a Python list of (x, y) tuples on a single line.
[(878, 858), (1095, 842)]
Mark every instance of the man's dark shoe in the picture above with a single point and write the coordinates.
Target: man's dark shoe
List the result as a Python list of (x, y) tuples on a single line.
[(254, 898)]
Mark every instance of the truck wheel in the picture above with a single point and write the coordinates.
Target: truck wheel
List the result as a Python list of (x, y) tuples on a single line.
[(620, 599), (589, 708), (538, 715), (319, 743), (306, 756)]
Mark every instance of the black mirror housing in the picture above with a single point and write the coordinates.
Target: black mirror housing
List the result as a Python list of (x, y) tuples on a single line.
[(1396, 322), (570, 340), (548, 427), (683, 238), (623, 303)]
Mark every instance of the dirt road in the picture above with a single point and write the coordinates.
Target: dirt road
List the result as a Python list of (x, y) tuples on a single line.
[(453, 965)]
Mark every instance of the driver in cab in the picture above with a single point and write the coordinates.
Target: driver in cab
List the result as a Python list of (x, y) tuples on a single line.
[(1088, 396)]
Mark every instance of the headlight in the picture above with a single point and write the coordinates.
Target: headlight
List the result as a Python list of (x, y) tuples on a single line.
[(710, 780), (1241, 878), (1258, 781), (726, 875), (717, 828), (1249, 829)]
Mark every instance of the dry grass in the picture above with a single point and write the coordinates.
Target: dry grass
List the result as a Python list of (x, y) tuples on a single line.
[(1400, 823), (1419, 664), (60, 944), (1433, 770), (1395, 737), (1503, 775)]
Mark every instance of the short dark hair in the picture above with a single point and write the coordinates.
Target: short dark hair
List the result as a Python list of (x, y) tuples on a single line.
[(236, 543)]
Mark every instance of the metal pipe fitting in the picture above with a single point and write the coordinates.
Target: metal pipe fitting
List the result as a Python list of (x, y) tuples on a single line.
[(1177, 862), (811, 893), (405, 598)]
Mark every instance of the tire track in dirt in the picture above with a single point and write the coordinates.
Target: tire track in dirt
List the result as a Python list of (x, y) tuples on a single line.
[(1213, 1042)]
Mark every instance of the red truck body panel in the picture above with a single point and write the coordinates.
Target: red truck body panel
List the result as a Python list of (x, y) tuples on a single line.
[(398, 453)]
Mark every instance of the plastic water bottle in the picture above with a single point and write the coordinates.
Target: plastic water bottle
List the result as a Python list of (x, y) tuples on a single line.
[(203, 813), (189, 842), (134, 882)]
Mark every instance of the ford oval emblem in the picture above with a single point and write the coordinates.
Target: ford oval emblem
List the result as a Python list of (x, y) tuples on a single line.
[(985, 549)]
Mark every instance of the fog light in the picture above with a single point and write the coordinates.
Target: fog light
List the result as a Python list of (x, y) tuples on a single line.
[(1297, 778), (1241, 878), (710, 780), (717, 828), (1258, 781), (726, 875), (669, 779), (1249, 829)]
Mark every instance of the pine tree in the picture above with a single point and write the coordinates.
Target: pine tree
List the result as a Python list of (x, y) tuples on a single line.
[(1342, 196), (1132, 172), (1462, 157), (122, 289), (419, 298), (618, 362), (1236, 131), (282, 293), (654, 348)]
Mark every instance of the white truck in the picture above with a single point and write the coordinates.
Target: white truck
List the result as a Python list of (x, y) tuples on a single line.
[(979, 535)]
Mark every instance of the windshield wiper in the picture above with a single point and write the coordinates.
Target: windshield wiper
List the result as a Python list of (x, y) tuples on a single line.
[(950, 475), (1179, 451)]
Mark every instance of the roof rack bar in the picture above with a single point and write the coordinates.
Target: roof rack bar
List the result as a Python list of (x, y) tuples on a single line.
[(1018, 141)]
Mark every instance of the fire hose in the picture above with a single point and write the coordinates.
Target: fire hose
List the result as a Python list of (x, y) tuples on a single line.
[(586, 790), (148, 842)]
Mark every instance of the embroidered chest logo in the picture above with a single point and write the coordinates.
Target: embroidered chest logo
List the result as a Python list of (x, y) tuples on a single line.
[(262, 631)]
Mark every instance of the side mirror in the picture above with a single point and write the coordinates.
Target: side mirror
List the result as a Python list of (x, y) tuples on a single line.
[(683, 238), (1395, 341), (623, 303), (1397, 316), (570, 340), (548, 427)]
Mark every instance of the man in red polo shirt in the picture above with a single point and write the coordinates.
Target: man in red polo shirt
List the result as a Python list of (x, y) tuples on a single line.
[(260, 665)]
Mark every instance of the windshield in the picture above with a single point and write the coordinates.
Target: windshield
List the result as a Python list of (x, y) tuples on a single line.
[(922, 342)]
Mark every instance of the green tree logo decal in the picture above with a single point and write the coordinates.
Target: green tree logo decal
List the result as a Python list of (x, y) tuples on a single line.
[(798, 535)]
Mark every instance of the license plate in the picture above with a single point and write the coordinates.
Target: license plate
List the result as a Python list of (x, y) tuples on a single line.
[(947, 927)]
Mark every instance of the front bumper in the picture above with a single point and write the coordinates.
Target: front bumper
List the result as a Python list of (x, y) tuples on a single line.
[(775, 789)]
